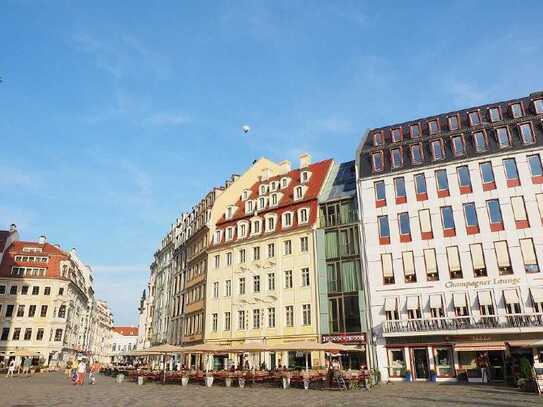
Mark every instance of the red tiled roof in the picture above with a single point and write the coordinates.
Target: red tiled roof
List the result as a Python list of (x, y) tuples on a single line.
[(126, 330), (54, 254)]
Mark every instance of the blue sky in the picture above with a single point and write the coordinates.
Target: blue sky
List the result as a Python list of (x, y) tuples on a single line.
[(115, 116)]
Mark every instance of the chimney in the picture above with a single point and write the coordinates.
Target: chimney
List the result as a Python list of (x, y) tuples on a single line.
[(235, 177), (43, 239), (13, 227), (305, 160), (265, 174), (284, 166), (73, 252)]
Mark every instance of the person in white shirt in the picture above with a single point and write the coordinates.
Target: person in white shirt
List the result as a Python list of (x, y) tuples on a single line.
[(81, 371), (11, 368)]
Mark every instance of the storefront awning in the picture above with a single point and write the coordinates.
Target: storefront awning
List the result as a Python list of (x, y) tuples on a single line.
[(537, 294), (435, 301), (412, 303), (479, 346), (459, 300), (484, 298), (390, 304), (527, 343), (511, 296)]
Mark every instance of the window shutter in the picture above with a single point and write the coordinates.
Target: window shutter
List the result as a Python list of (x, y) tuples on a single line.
[(430, 260), (528, 251), (477, 256), (425, 220), (502, 254), (386, 262), (408, 263), (454, 258), (519, 210)]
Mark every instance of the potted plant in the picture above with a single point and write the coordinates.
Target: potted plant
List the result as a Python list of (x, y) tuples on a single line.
[(184, 378), (209, 378)]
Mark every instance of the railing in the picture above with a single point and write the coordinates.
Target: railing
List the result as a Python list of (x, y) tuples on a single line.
[(467, 322)]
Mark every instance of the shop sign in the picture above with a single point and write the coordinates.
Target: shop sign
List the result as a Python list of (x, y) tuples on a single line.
[(345, 338), (482, 283)]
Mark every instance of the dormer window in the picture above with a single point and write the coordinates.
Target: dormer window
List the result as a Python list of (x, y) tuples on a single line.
[(378, 139), (261, 203), (217, 237), (396, 134), (304, 176), (298, 192), (538, 106), (255, 227), (377, 161), (245, 195), (453, 123), (242, 230), (437, 150), (274, 199), (414, 130), (249, 207), (458, 146), (495, 114), (229, 212), (229, 233), (270, 224), (284, 182), (273, 185), (516, 110), (287, 219), (474, 118), (263, 189), (396, 157), (303, 215), (433, 127)]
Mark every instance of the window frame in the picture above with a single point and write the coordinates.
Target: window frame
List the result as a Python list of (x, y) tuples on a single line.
[(457, 117), (485, 139), (478, 113), (456, 153), (442, 149), (412, 147)]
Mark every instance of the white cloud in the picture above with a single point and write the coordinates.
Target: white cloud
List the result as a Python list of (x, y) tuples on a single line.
[(466, 93), (166, 119)]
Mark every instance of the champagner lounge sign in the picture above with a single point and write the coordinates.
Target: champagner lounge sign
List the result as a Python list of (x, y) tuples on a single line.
[(483, 283)]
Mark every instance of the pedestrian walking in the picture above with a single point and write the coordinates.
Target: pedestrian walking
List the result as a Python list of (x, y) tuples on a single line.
[(27, 364), (95, 369), (11, 368), (68, 369), (81, 371)]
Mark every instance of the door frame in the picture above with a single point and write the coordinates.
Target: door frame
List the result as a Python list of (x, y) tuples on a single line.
[(413, 367)]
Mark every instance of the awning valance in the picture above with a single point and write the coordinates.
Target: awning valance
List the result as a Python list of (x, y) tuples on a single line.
[(459, 300), (537, 294), (412, 303), (479, 346), (484, 298), (511, 296), (390, 304), (435, 301)]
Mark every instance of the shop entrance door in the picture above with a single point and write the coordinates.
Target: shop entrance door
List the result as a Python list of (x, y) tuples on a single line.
[(420, 362)]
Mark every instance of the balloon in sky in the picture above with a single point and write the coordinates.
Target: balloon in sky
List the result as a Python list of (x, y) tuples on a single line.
[(245, 128)]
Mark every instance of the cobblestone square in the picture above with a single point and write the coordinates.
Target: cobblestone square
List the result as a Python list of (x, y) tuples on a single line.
[(53, 389)]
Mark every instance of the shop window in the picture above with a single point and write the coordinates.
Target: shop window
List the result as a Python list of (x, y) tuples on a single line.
[(444, 362), (453, 258), (430, 262), (387, 267), (396, 362), (502, 258), (478, 260), (408, 261)]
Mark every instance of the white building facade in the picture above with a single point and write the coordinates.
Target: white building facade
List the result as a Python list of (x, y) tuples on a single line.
[(451, 220)]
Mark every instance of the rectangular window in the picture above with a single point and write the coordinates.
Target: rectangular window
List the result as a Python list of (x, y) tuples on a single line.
[(416, 154), (529, 256), (228, 288), (61, 291), (256, 253), (453, 123), (425, 221), (227, 321), (271, 250), (305, 277), (256, 284), (21, 311), (396, 135), (453, 258), (241, 320), (217, 261), (304, 244), (380, 192), (242, 256), (43, 312), (479, 140), (478, 260), (516, 110), (396, 157), (9, 310), (486, 306), (228, 259), (47, 291), (24, 290), (13, 290), (433, 127), (39, 334), (388, 271), (271, 281), (420, 184), (502, 258), (495, 114), (414, 131), (512, 301), (306, 314), (534, 162), (378, 139), (256, 319), (215, 289), (494, 211), (447, 217), (511, 172), (442, 181), (487, 176), (384, 229), (464, 179), (242, 286), (399, 189), (215, 322), (474, 118), (519, 212), (5, 334), (377, 161), (437, 150), (430, 262), (538, 106), (2, 289), (271, 317), (458, 146), (58, 335), (31, 311), (404, 224), (16, 334), (470, 216), (288, 247), (409, 272), (288, 279), (527, 133), (503, 138), (289, 315)]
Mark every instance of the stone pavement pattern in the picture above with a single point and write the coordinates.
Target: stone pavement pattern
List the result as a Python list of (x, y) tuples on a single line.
[(53, 389)]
